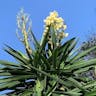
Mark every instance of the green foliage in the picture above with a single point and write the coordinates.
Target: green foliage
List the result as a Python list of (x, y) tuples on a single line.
[(48, 71)]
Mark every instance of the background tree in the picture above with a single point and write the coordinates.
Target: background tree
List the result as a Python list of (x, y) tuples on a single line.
[(89, 43)]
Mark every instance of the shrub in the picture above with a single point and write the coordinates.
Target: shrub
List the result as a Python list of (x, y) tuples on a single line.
[(51, 67)]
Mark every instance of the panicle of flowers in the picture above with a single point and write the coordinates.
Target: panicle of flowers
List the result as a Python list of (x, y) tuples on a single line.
[(54, 20), (57, 23), (24, 26), (22, 18)]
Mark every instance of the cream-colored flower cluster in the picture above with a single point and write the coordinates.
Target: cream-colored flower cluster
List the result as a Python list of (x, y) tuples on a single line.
[(22, 21), (54, 25), (54, 20), (57, 23)]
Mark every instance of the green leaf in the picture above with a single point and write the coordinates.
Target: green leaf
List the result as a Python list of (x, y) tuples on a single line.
[(44, 40), (54, 59), (15, 78), (46, 64), (66, 45), (5, 74), (85, 69), (7, 63), (82, 54), (35, 42), (15, 54), (61, 93), (81, 64), (49, 93), (18, 56), (38, 88), (76, 83), (26, 92), (89, 85), (9, 84), (91, 93), (53, 36), (65, 49), (20, 72)]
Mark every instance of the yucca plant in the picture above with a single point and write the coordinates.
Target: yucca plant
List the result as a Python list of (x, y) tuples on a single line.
[(50, 67)]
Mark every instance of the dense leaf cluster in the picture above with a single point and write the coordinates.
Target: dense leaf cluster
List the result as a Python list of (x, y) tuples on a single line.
[(48, 70)]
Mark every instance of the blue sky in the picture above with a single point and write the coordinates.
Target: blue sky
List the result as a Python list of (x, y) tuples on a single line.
[(79, 15)]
